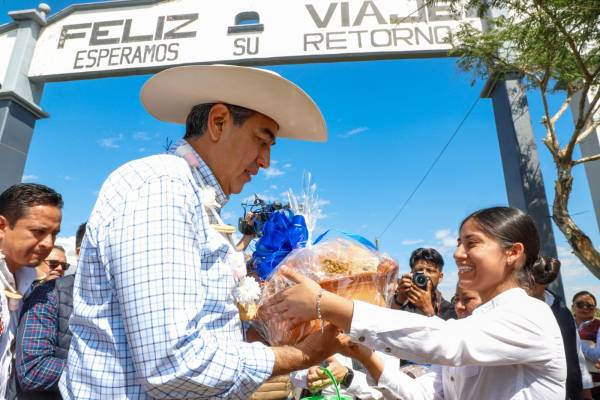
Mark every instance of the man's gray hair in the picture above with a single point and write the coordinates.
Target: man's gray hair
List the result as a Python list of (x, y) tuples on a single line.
[(197, 120)]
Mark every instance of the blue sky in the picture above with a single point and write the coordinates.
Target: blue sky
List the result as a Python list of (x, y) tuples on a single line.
[(387, 122)]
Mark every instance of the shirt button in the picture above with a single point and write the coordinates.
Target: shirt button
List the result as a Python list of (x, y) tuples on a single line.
[(452, 378), (388, 350), (361, 339)]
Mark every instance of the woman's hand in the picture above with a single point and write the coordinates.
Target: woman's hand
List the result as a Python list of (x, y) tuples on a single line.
[(296, 304)]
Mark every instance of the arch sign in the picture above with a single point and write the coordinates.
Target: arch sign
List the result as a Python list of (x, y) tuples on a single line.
[(95, 40), (127, 37)]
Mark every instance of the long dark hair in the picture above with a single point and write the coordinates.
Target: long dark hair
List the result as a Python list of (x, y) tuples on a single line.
[(509, 225)]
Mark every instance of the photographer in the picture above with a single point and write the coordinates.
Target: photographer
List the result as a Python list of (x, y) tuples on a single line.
[(417, 292), (247, 222)]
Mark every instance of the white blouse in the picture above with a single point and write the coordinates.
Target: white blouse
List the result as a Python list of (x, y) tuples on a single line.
[(510, 348)]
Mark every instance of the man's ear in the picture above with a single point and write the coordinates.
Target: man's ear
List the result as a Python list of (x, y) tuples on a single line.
[(218, 117), (3, 226), (441, 276)]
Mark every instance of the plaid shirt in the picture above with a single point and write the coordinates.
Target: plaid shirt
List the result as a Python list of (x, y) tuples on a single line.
[(37, 367), (154, 314)]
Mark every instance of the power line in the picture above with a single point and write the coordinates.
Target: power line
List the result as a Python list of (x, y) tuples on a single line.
[(437, 158)]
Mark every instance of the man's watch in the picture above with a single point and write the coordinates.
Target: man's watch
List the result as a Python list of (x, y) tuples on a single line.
[(347, 380)]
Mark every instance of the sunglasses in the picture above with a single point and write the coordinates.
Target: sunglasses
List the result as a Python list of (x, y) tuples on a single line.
[(584, 305), (55, 264)]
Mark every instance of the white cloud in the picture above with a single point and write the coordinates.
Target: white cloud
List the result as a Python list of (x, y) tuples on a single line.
[(273, 187), (353, 132), (111, 142), (442, 233), (29, 178), (449, 242), (142, 149), (288, 165), (141, 136), (570, 266), (410, 242), (273, 172), (67, 178)]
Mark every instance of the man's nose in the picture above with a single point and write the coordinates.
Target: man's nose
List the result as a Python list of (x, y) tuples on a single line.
[(264, 158), (47, 242)]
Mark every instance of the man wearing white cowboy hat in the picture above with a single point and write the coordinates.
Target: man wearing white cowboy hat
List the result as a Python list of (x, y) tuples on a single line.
[(154, 315)]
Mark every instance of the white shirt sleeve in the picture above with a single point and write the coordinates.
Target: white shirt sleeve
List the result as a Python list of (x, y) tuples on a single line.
[(481, 339), (395, 384)]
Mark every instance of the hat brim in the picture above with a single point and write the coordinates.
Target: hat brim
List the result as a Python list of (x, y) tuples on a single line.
[(171, 94)]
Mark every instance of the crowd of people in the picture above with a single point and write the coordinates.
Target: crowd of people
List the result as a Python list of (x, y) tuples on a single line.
[(149, 312)]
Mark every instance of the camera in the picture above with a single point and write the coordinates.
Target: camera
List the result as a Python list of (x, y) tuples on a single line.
[(419, 279), (261, 211)]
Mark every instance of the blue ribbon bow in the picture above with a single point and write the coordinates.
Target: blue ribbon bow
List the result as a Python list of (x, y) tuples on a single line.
[(282, 233)]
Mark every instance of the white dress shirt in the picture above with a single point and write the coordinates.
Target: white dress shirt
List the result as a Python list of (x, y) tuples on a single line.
[(154, 315), (510, 348)]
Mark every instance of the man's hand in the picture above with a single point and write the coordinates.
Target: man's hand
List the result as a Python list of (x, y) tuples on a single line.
[(310, 351), (317, 379), (403, 288), (276, 388), (422, 299)]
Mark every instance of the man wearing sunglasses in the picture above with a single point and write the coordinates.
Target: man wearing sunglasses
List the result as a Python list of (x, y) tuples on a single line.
[(53, 267)]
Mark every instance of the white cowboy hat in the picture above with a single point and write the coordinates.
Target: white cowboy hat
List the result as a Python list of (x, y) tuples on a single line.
[(171, 94)]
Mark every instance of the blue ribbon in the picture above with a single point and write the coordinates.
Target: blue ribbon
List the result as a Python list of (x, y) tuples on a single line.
[(282, 233), (360, 239)]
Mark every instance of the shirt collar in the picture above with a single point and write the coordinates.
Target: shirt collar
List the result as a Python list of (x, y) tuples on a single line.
[(8, 277), (506, 297), (205, 173)]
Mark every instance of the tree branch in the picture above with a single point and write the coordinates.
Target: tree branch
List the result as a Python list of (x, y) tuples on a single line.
[(586, 159), (585, 133), (563, 107), (592, 106), (580, 123)]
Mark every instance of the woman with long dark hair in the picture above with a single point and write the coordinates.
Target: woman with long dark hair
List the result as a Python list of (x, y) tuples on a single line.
[(509, 348)]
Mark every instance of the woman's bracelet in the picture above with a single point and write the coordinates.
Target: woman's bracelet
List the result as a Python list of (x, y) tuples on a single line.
[(319, 316)]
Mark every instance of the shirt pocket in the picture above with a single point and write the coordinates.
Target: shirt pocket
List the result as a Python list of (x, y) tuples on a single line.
[(218, 279)]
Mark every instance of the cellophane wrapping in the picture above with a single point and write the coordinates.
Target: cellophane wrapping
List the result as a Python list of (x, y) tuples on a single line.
[(340, 265)]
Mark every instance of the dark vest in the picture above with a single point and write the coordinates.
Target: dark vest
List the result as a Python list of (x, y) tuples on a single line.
[(63, 289), (64, 294), (569, 334)]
